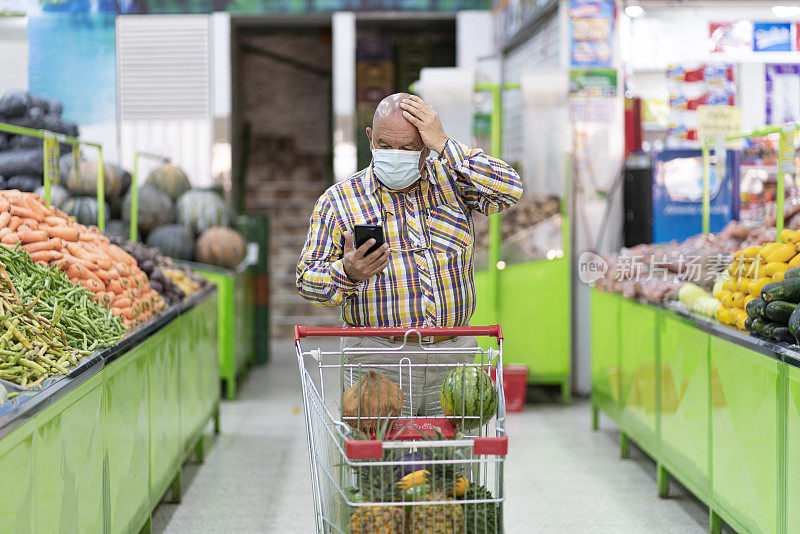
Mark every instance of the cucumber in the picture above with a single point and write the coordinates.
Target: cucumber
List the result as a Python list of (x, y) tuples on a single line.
[(794, 321), (748, 324), (782, 334), (787, 290), (758, 326), (769, 329), (779, 311), (792, 272), (752, 308)]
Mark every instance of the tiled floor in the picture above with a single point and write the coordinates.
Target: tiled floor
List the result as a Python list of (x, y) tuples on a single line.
[(560, 476)]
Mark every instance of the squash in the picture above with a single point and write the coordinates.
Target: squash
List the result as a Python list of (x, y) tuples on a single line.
[(173, 240), (169, 179), (371, 397), (58, 194), (200, 210), (84, 209), (155, 208), (221, 246), (119, 230), (84, 182)]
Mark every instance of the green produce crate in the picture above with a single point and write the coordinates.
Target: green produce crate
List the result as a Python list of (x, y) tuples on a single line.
[(255, 229), (236, 318)]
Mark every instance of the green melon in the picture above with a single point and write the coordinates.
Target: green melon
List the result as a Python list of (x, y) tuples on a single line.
[(155, 208), (84, 209), (169, 179), (200, 210), (84, 182), (174, 240), (468, 392), (58, 194)]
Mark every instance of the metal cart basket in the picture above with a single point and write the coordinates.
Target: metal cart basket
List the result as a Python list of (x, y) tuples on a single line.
[(378, 467)]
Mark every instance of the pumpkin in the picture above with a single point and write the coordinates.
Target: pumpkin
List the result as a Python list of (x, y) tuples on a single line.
[(373, 396), (125, 179), (221, 246), (200, 210), (24, 182), (84, 182), (58, 194), (174, 240), (155, 208), (119, 230), (84, 209), (169, 179)]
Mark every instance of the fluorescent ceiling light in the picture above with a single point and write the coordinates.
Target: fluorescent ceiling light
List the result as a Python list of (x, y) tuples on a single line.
[(782, 11), (634, 11)]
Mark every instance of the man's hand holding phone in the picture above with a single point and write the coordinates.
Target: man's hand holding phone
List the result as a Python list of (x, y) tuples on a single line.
[(359, 263)]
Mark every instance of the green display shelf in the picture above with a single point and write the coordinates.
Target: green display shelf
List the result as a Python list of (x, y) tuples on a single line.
[(533, 338), (96, 452), (236, 321), (717, 409)]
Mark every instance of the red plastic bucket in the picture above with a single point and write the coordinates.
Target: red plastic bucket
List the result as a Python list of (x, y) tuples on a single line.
[(515, 384)]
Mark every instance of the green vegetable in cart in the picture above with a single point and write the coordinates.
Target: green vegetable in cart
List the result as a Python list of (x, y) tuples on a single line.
[(468, 397), (786, 290)]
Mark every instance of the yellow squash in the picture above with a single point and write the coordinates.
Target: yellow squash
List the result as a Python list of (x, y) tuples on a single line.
[(755, 286), (776, 267), (794, 262), (737, 300), (783, 253), (778, 277)]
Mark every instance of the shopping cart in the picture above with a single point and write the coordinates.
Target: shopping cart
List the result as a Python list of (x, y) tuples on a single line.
[(378, 471)]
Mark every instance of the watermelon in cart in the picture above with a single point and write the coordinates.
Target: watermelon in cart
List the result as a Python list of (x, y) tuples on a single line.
[(468, 397)]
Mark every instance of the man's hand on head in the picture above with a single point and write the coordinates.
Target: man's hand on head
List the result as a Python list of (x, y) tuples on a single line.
[(426, 120), (358, 265)]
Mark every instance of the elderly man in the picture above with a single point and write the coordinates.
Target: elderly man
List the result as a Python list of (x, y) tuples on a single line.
[(422, 276)]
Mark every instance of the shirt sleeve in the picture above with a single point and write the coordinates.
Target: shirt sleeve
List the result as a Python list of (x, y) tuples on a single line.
[(487, 184), (320, 272)]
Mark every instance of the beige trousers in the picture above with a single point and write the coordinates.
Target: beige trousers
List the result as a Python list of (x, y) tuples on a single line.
[(420, 384)]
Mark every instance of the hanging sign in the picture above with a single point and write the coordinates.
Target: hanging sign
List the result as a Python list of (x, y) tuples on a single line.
[(52, 154), (591, 30), (714, 122)]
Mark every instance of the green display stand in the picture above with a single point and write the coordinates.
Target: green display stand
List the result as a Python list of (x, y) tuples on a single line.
[(236, 321), (96, 452), (540, 340), (716, 408)]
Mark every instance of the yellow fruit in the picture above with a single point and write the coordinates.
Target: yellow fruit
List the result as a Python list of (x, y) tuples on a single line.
[(776, 267), (728, 285), (724, 314), (751, 252), (754, 270), (767, 248), (795, 262), (740, 321), (733, 267), (787, 235), (414, 479), (737, 300), (736, 313), (756, 285), (778, 277), (747, 299), (744, 285), (722, 294), (782, 253), (727, 300)]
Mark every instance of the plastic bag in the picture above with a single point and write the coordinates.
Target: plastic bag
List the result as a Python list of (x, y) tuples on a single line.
[(30, 161)]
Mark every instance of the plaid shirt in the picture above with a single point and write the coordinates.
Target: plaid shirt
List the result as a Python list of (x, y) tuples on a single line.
[(429, 279)]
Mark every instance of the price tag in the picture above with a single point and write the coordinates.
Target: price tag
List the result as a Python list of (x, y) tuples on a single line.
[(718, 121), (52, 154)]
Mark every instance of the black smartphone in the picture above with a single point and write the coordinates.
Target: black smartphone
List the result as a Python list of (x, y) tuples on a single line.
[(365, 232)]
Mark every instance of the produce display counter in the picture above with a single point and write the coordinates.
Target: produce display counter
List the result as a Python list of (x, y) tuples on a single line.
[(98, 449), (539, 340), (236, 320), (716, 408)]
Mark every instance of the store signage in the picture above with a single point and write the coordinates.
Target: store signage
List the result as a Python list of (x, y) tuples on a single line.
[(593, 82), (718, 121), (52, 154), (783, 93), (772, 37), (730, 36), (591, 32)]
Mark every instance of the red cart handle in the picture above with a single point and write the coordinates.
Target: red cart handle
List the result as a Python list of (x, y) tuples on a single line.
[(310, 331)]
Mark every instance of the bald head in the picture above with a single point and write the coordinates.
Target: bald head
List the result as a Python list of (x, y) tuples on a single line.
[(390, 129)]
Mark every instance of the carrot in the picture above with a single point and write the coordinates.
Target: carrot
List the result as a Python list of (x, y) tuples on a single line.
[(64, 232), (23, 213), (33, 224), (14, 223), (121, 302), (114, 286), (52, 220), (39, 246), (33, 236), (10, 239), (4, 205), (4, 232), (36, 205), (5, 218), (92, 285), (46, 256)]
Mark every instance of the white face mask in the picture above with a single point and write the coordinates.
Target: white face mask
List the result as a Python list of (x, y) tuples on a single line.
[(396, 169)]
